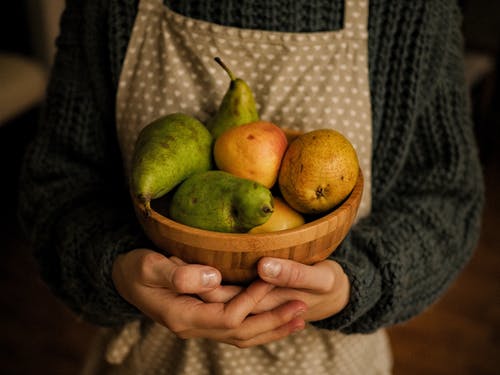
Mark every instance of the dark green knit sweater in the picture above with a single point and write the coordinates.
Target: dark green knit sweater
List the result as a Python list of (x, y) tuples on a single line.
[(427, 184)]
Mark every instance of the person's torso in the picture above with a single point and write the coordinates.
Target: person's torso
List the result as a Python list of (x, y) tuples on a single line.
[(301, 82)]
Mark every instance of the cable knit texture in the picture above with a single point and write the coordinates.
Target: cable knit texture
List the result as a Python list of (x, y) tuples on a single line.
[(427, 183)]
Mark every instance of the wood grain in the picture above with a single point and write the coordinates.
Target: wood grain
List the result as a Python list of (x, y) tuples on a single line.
[(236, 254)]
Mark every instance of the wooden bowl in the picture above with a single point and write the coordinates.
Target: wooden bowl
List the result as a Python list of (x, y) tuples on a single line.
[(236, 254)]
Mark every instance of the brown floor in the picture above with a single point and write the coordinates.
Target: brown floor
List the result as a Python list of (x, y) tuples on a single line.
[(460, 334)]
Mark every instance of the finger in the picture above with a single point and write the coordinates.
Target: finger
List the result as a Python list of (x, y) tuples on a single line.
[(291, 274), (270, 326), (222, 294), (177, 261), (278, 297), (219, 294), (279, 333), (270, 320), (231, 314), (244, 302), (159, 271)]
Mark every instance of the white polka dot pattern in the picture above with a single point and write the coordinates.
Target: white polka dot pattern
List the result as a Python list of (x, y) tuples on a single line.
[(301, 82), (309, 352)]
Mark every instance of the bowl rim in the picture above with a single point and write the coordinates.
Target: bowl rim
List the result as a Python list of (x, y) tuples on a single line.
[(283, 235)]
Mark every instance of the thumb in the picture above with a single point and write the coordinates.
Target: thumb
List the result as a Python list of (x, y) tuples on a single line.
[(179, 277)]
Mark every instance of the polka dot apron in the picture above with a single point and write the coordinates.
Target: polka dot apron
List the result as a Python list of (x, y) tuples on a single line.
[(301, 81)]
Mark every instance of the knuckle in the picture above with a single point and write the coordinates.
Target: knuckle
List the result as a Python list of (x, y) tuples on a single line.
[(146, 264), (328, 283), (337, 278), (176, 326), (251, 297), (278, 318), (295, 276), (231, 322), (180, 279), (178, 330)]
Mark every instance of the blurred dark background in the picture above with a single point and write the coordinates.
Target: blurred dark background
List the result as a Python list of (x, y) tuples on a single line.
[(460, 334)]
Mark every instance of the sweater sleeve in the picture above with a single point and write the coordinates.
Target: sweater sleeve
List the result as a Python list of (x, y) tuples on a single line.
[(427, 197), (74, 204)]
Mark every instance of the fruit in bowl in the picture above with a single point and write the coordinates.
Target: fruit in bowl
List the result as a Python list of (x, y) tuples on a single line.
[(236, 254), (167, 151), (302, 195), (283, 217), (318, 171), (222, 202), (253, 151)]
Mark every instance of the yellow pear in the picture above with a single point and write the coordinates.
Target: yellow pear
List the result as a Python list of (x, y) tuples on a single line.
[(318, 171), (283, 217)]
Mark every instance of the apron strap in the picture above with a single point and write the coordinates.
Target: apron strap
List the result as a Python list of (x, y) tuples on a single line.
[(355, 15), (356, 18), (150, 4)]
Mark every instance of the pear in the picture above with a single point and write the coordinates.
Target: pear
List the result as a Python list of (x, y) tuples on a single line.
[(318, 171), (237, 107), (167, 151), (221, 202), (252, 151), (284, 217)]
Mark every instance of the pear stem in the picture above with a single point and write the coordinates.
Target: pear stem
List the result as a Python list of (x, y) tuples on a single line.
[(224, 66), (267, 210), (147, 208)]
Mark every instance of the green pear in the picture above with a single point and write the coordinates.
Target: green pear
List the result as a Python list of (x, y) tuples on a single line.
[(221, 202), (167, 151), (237, 107)]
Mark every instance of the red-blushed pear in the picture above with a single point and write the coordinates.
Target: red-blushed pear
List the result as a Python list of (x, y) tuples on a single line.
[(253, 151)]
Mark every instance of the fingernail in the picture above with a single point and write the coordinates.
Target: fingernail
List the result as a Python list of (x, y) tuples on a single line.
[(271, 268), (209, 278), (299, 313)]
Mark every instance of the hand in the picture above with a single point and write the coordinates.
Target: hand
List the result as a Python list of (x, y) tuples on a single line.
[(164, 289), (323, 287)]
